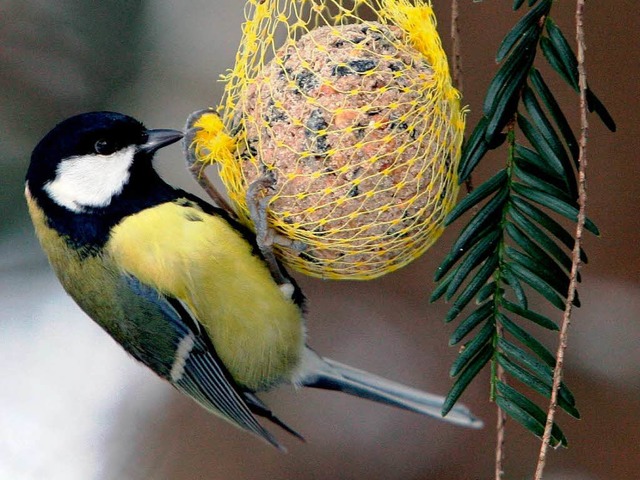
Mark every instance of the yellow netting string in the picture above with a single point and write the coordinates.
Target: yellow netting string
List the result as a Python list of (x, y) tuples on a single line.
[(350, 103), (213, 144), (420, 25)]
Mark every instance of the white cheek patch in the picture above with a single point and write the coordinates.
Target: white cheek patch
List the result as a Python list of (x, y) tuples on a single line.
[(90, 180)]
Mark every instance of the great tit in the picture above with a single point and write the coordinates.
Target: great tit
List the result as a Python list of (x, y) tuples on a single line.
[(179, 283)]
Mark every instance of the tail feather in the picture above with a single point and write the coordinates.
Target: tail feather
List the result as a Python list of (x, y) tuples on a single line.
[(329, 374), (258, 407)]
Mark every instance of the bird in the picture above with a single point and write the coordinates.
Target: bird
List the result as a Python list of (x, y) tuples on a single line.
[(179, 283)]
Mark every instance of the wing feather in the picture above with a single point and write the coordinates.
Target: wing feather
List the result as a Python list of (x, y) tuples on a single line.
[(201, 375)]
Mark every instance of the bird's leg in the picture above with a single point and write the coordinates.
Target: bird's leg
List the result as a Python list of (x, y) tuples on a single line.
[(197, 168), (257, 205), (258, 198)]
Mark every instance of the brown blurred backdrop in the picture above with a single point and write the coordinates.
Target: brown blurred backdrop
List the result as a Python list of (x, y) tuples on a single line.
[(159, 61)]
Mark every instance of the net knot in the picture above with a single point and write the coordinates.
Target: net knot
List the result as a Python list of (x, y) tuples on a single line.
[(211, 143)]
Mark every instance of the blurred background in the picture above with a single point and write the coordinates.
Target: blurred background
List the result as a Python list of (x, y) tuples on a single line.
[(74, 406)]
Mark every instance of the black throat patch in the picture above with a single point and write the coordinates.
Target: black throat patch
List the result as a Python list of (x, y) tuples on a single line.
[(88, 231)]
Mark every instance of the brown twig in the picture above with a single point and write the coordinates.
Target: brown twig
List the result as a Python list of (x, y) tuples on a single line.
[(582, 199), (456, 61), (456, 64), (500, 427)]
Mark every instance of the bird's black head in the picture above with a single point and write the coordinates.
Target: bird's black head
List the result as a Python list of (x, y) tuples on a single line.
[(89, 160), (93, 170)]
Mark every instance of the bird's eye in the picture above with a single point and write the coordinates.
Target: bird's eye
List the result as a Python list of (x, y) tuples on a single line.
[(104, 147)]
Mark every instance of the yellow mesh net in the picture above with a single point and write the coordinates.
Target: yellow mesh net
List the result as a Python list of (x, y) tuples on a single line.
[(350, 105)]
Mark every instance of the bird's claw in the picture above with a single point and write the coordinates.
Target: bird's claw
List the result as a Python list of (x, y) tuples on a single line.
[(195, 166), (259, 194)]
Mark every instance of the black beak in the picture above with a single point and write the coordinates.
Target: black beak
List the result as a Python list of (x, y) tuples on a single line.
[(158, 139)]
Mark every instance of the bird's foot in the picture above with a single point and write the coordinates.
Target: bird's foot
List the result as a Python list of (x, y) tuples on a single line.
[(259, 194), (195, 166)]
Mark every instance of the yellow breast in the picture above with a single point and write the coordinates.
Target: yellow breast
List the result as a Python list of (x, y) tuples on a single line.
[(200, 259)]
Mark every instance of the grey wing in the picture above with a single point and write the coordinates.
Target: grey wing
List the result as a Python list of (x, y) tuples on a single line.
[(172, 343)]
